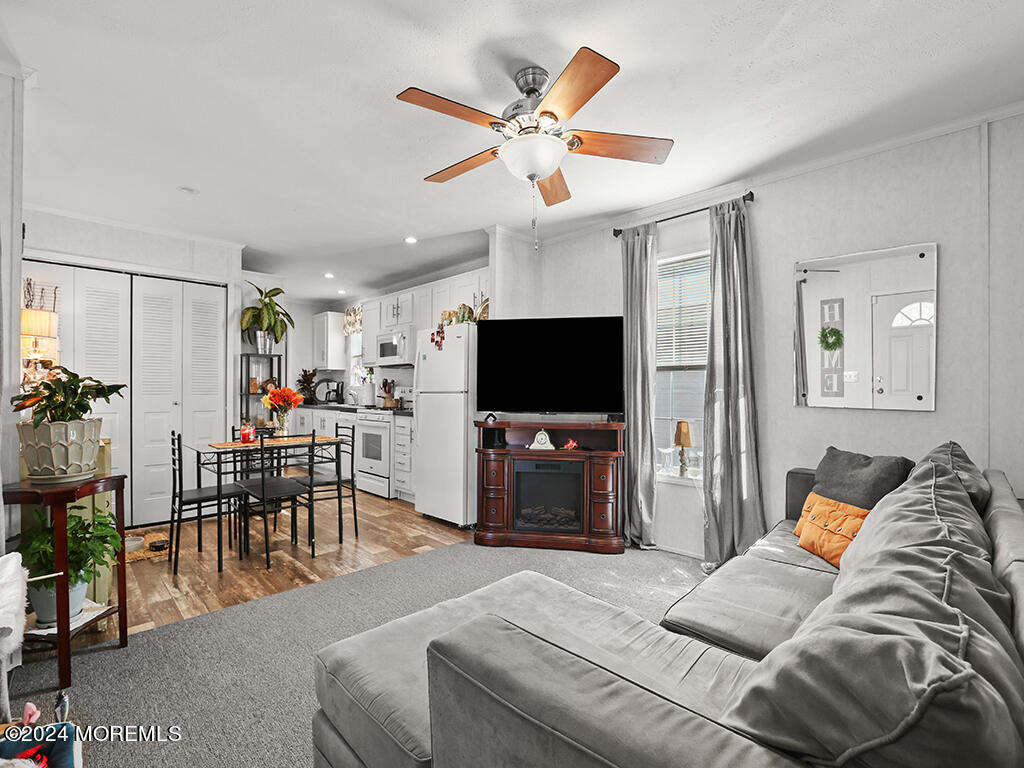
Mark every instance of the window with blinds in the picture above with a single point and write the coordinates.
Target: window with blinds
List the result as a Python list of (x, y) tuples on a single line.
[(684, 311)]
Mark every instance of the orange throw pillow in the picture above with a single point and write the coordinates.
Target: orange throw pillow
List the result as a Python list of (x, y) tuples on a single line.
[(827, 527)]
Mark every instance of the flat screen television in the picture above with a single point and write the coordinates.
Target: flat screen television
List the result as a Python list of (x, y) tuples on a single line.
[(550, 365)]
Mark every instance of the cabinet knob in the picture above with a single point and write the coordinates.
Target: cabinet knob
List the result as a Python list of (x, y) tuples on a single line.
[(604, 516), (494, 511), (493, 473), (604, 477)]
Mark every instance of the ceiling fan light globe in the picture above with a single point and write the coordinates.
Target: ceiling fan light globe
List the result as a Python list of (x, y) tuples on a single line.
[(532, 156)]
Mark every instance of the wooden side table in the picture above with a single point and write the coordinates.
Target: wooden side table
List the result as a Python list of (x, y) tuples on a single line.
[(57, 497)]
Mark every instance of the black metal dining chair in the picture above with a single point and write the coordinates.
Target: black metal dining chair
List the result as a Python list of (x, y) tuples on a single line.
[(329, 482), (183, 500), (272, 489)]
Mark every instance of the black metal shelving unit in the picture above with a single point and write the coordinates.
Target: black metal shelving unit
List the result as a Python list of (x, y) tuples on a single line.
[(273, 368)]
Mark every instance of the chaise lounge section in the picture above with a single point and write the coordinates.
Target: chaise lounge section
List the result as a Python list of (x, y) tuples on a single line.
[(746, 669)]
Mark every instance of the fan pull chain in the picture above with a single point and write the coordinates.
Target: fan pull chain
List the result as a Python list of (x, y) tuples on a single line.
[(533, 223)]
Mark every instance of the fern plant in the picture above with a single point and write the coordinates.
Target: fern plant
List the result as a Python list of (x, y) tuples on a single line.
[(266, 315)]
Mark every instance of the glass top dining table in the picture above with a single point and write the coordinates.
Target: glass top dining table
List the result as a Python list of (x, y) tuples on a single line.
[(232, 459)]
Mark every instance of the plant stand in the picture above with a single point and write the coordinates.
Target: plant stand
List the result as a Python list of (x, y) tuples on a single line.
[(57, 497), (249, 361)]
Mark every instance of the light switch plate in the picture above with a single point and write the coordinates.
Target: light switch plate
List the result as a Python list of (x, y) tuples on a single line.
[(851, 377)]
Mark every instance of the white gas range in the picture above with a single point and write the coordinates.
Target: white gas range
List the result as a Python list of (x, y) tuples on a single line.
[(373, 450)]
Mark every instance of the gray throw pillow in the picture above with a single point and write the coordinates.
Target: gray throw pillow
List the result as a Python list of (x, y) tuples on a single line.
[(973, 479), (853, 478)]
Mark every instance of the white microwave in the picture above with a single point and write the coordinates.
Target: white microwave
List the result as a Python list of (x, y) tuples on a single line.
[(396, 346)]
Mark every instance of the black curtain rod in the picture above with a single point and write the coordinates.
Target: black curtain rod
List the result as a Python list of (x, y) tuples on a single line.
[(748, 197)]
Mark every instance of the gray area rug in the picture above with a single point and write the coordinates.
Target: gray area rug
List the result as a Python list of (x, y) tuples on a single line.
[(239, 682)]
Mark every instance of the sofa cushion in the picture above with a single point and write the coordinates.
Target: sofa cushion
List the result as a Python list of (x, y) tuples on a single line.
[(972, 478), (750, 605), (931, 508), (373, 686), (1004, 521), (908, 662), (853, 478), (782, 546)]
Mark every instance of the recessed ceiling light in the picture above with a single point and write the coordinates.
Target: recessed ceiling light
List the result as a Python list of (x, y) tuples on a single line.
[(188, 190), (341, 293), (329, 275), (410, 240)]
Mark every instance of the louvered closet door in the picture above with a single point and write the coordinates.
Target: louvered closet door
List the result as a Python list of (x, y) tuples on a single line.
[(205, 363), (102, 349), (156, 393)]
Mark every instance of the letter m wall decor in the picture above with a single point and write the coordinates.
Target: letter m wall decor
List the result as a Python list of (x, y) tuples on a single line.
[(832, 360)]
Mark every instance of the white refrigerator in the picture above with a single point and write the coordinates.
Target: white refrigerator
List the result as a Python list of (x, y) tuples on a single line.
[(444, 438)]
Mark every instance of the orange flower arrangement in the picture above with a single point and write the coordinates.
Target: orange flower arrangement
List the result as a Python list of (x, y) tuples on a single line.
[(281, 401)]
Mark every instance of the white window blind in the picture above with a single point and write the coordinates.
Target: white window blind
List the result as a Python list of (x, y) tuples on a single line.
[(684, 311)]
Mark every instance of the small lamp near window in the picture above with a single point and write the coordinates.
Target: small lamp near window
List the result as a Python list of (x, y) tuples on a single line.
[(683, 442)]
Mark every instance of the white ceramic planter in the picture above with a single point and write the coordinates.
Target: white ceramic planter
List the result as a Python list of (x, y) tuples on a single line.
[(60, 451)]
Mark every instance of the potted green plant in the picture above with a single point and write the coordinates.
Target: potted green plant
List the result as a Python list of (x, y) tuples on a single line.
[(265, 320), (92, 544), (58, 443)]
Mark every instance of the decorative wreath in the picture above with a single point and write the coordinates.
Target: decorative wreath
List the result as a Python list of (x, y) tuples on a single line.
[(830, 338)]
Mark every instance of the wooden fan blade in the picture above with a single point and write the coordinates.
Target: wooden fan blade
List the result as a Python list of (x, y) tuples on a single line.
[(622, 146), (464, 165), (448, 107), (586, 74), (553, 189)]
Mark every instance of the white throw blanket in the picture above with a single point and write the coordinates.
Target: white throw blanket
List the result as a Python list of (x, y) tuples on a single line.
[(13, 588)]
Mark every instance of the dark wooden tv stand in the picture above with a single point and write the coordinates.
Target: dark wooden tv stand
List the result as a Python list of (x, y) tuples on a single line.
[(561, 499)]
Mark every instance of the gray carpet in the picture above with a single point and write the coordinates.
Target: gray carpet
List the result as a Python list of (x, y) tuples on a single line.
[(239, 681)]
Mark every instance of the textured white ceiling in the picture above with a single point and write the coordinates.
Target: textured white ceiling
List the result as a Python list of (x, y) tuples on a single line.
[(283, 113)]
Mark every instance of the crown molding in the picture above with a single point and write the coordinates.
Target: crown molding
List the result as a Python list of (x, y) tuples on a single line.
[(131, 227)]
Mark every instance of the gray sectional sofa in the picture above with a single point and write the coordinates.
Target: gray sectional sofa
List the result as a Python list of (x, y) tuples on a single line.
[(910, 654)]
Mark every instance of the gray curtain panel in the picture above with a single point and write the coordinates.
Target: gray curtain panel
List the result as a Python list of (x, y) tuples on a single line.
[(799, 347), (639, 309), (733, 514)]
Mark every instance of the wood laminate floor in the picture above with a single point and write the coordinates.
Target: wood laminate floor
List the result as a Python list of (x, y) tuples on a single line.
[(388, 530)]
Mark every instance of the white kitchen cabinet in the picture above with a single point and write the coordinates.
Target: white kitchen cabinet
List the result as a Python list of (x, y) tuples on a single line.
[(465, 289), (371, 327), (402, 457), (329, 341), (422, 315), (396, 309), (303, 419), (440, 300)]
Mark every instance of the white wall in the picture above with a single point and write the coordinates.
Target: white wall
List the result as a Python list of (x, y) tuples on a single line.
[(1005, 288), (933, 190), (11, 124), (963, 190)]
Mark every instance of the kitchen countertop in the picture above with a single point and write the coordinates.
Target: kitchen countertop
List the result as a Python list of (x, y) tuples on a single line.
[(331, 407)]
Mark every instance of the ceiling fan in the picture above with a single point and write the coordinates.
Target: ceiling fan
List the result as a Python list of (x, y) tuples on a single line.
[(536, 138)]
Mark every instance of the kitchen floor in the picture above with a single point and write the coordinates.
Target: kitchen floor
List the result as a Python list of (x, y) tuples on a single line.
[(388, 530)]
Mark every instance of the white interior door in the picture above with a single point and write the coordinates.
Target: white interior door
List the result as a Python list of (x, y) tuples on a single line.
[(102, 349), (903, 344), (203, 370), (156, 393)]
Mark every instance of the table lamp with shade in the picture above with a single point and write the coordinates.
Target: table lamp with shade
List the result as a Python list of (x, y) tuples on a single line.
[(683, 442)]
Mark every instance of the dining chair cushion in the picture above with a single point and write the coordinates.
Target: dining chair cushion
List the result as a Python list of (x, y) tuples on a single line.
[(321, 479), (208, 494), (276, 488)]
